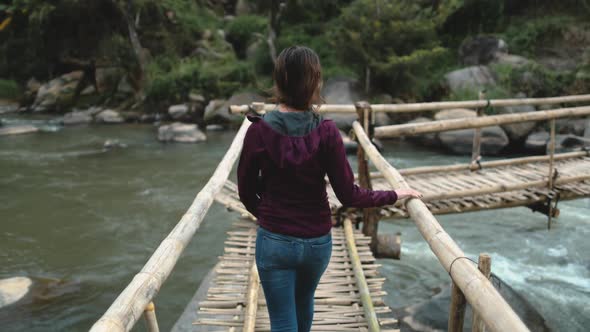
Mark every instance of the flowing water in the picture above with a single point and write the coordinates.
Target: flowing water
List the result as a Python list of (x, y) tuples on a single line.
[(90, 218)]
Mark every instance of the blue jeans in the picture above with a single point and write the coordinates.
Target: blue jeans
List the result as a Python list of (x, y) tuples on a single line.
[(290, 269)]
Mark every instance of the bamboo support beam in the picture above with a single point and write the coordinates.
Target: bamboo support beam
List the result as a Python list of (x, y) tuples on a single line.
[(484, 264), (456, 309), (359, 275), (476, 147), (410, 129), (435, 106), (252, 299), (150, 317), (550, 183), (129, 305), (480, 293)]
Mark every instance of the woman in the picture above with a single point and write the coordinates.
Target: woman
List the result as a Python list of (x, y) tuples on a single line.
[(285, 158)]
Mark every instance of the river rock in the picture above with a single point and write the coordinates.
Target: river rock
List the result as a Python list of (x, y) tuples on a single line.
[(537, 142), (455, 113), (511, 60), (179, 132), (17, 130), (572, 126), (493, 140), (113, 144), (341, 91), (217, 111), (109, 117), (587, 128), (79, 117), (432, 315), (430, 140), (473, 78), (178, 112), (8, 107), (568, 143), (517, 132), (481, 50), (13, 290), (214, 127), (57, 92)]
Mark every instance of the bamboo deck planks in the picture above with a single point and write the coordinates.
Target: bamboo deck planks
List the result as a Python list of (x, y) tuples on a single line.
[(338, 304)]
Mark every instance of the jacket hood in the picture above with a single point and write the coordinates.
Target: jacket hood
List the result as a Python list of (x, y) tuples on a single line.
[(284, 150)]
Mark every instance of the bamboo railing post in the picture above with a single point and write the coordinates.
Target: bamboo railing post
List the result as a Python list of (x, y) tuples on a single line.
[(456, 309), (150, 317), (484, 264), (252, 300), (550, 182), (370, 218), (361, 281), (476, 148)]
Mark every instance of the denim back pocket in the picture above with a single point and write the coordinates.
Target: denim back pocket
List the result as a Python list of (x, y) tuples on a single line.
[(321, 251), (276, 252)]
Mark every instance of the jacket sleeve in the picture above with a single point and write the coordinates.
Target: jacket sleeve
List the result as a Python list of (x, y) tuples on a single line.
[(249, 169), (342, 178)]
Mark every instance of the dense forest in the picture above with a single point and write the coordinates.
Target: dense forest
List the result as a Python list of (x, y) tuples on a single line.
[(146, 55)]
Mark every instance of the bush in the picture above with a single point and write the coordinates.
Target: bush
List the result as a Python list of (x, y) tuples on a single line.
[(9, 89), (241, 32), (525, 35)]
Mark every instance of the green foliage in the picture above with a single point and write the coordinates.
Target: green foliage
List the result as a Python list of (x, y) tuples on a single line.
[(534, 80), (396, 41), (242, 31), (525, 35), (9, 89)]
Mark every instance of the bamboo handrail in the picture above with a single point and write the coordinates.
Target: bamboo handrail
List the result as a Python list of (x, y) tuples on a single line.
[(130, 304), (359, 276), (478, 290), (487, 164), (252, 300), (432, 106), (409, 129)]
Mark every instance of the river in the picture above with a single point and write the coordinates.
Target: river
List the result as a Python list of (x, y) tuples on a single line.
[(90, 217)]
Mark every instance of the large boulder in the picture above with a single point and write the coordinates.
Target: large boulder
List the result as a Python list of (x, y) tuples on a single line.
[(80, 117), (430, 140), (107, 79), (57, 93), (341, 91), (454, 113), (109, 117), (178, 112), (179, 132), (217, 111), (473, 78), (572, 126), (481, 50), (517, 132), (511, 60), (493, 140), (537, 142), (567, 143)]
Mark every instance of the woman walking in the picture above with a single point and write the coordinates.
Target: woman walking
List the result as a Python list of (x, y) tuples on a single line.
[(285, 158)]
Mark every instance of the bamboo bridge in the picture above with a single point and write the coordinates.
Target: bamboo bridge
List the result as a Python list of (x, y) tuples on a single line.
[(349, 297)]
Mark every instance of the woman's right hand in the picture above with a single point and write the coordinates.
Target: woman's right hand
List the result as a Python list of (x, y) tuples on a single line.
[(408, 193)]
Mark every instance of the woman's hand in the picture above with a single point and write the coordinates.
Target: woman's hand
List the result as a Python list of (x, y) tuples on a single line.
[(408, 193)]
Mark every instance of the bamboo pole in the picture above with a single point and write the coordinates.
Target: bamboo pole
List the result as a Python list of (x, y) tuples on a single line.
[(252, 299), (129, 305), (478, 290), (359, 275), (484, 264), (456, 309), (433, 106), (150, 317), (550, 183), (370, 222), (476, 148), (487, 164), (409, 129)]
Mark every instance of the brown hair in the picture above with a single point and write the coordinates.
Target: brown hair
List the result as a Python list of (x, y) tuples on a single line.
[(297, 78)]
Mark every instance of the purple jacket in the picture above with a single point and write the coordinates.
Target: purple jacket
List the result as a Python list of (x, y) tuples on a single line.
[(281, 179)]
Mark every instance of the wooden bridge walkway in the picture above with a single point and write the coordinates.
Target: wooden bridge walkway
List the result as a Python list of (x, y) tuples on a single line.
[(338, 304), (350, 297)]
